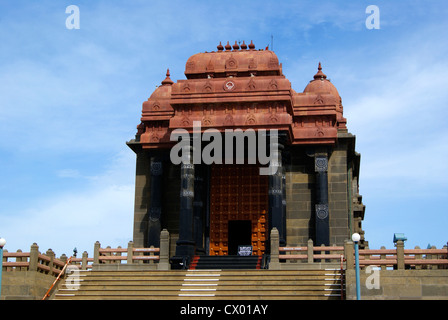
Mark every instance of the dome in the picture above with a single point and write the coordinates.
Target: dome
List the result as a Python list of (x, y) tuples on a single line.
[(241, 61), (163, 91), (321, 84)]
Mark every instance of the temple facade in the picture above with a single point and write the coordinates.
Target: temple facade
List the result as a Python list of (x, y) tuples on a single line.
[(212, 207)]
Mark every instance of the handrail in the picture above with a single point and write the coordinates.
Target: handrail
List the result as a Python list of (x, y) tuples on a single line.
[(57, 278)]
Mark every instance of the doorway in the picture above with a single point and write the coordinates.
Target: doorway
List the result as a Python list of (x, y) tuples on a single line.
[(240, 232), (237, 193)]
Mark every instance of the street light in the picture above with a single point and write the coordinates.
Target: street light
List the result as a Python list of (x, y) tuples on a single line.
[(2, 244), (356, 237)]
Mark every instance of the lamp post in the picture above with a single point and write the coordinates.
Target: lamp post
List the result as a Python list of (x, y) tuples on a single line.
[(2, 244), (355, 238)]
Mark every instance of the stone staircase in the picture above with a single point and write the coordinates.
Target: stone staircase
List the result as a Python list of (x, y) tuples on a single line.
[(203, 285)]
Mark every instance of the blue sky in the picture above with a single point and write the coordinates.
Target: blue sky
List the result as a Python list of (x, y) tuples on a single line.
[(70, 99)]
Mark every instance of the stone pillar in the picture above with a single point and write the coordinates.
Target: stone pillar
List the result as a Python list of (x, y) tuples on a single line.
[(141, 205), (155, 203), (164, 250), (96, 252), (274, 263), (130, 253), (185, 245), (349, 255), (197, 209), (50, 254), (276, 195), (310, 251), (85, 256), (322, 212), (400, 255), (34, 256)]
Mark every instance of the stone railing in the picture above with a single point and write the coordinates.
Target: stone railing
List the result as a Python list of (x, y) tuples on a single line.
[(120, 258), (33, 261), (398, 258), (102, 257)]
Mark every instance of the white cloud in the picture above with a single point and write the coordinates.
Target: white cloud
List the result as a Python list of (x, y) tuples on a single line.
[(102, 211)]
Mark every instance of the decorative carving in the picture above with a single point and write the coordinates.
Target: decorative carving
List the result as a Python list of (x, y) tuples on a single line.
[(208, 86), (251, 85), (186, 121), (156, 106), (273, 118), (207, 121), (250, 120), (319, 131), (322, 211), (319, 99), (231, 63), (155, 138), (229, 85), (320, 163), (273, 85), (156, 168), (186, 88), (228, 121)]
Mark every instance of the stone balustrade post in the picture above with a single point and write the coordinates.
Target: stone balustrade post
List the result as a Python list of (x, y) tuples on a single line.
[(34, 256), (274, 263), (130, 253), (96, 252), (400, 255), (84, 260), (164, 250), (349, 255), (63, 258), (51, 255), (310, 251)]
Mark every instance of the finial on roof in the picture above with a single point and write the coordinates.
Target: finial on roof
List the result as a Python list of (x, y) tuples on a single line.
[(251, 45), (220, 47), (320, 75), (167, 79), (228, 46), (236, 46), (244, 46)]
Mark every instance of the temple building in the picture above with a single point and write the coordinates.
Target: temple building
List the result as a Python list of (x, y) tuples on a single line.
[(212, 208)]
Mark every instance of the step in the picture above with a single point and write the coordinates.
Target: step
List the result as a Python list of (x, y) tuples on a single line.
[(205, 284)]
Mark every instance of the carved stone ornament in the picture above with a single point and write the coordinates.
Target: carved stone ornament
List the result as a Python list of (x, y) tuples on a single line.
[(322, 211), (207, 121), (156, 168), (228, 121), (273, 85), (251, 85), (251, 120), (320, 164), (231, 63), (229, 85), (156, 106)]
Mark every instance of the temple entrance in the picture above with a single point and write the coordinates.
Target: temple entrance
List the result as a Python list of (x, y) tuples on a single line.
[(238, 209)]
